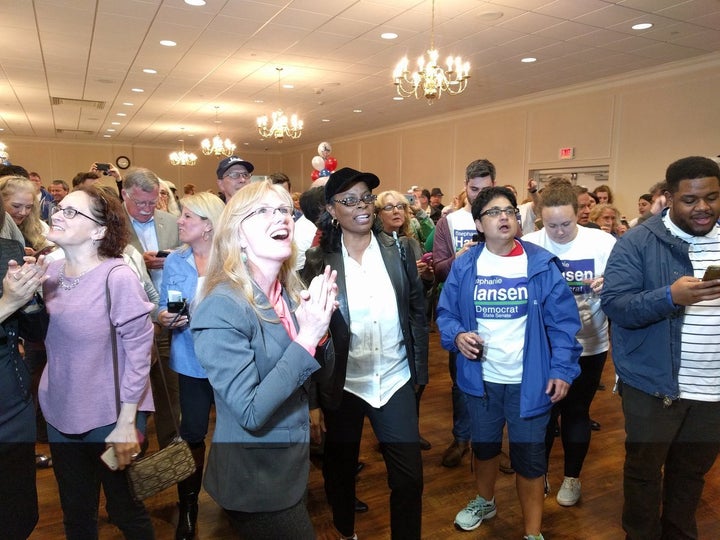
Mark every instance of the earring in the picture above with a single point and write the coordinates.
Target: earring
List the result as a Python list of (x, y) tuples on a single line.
[(334, 223), (243, 256)]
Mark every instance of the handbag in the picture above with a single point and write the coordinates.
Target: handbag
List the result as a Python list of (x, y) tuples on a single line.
[(164, 468)]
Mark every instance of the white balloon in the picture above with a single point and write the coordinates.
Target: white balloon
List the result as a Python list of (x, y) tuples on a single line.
[(324, 149), (318, 163)]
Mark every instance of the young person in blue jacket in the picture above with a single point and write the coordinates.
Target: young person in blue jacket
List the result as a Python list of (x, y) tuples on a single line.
[(509, 314)]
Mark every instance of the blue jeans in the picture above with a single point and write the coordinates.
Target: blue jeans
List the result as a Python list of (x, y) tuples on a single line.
[(461, 415), (196, 400), (80, 472)]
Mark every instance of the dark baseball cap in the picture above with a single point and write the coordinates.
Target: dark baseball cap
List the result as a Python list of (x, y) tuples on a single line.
[(228, 162), (342, 178)]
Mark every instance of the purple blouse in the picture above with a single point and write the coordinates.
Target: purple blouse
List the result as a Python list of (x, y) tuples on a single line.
[(77, 388)]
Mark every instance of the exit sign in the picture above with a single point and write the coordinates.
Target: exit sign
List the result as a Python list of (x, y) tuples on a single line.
[(567, 153)]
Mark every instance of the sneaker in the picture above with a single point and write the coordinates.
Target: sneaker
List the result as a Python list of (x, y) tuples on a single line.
[(547, 485), (454, 453), (534, 537), (470, 517), (569, 492)]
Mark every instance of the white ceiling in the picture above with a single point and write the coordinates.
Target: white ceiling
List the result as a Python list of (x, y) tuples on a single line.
[(331, 51)]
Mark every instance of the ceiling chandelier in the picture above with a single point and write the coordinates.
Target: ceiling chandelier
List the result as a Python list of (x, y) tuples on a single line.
[(430, 80), (183, 158), (217, 146), (279, 126)]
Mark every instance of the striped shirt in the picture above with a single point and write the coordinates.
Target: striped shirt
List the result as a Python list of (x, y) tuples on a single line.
[(699, 376)]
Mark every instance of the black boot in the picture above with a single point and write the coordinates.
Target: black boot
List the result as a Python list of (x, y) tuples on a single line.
[(188, 491)]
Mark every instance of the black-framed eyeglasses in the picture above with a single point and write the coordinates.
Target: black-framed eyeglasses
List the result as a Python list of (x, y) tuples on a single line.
[(353, 200), (268, 212), (494, 212), (237, 174), (399, 206), (70, 213)]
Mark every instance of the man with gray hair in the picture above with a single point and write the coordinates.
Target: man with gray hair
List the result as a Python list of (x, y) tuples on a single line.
[(151, 232)]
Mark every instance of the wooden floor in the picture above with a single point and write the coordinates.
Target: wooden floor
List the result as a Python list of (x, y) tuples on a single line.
[(597, 516)]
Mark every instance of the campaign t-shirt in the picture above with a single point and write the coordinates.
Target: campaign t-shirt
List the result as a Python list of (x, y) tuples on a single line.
[(501, 306)]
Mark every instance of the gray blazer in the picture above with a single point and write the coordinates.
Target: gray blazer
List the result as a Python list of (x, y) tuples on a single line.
[(259, 458), (410, 299)]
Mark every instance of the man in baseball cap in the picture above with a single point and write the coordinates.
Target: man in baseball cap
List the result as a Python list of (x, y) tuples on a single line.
[(233, 173)]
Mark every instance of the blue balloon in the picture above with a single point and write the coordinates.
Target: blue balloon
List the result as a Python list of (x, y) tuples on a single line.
[(324, 172)]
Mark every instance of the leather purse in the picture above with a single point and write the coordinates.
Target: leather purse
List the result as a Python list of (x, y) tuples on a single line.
[(164, 468)]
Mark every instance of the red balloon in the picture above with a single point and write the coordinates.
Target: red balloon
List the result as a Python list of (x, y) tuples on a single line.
[(330, 163), (315, 175)]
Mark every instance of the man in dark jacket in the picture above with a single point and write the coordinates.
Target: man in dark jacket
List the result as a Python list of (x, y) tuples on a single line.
[(666, 350)]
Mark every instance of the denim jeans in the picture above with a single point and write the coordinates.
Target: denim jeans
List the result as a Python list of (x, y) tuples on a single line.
[(196, 400), (80, 473), (668, 451)]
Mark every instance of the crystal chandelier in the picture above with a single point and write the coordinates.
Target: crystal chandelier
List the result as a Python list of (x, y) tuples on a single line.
[(183, 158), (217, 146), (279, 126), (430, 80)]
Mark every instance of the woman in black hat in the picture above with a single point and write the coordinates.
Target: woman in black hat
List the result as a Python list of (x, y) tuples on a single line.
[(380, 336)]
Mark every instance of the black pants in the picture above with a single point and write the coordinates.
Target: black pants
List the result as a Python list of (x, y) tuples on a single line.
[(396, 427), (574, 413), (668, 451), (18, 495), (290, 524)]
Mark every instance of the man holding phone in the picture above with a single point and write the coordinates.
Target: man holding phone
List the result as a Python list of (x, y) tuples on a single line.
[(666, 350)]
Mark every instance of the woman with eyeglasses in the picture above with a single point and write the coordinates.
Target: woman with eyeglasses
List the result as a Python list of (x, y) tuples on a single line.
[(380, 337), (508, 313), (394, 218), (256, 332), (88, 411), (184, 273)]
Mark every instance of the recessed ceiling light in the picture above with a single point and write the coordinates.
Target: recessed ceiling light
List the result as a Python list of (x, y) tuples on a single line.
[(128, 104), (106, 136), (167, 43), (642, 26), (246, 144), (110, 130), (288, 86), (195, 2), (121, 114), (398, 98), (529, 60), (138, 90), (326, 120), (258, 101), (357, 110), (389, 35), (150, 71), (114, 123)]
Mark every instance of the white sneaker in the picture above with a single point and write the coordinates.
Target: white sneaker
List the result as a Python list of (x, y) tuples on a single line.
[(569, 492)]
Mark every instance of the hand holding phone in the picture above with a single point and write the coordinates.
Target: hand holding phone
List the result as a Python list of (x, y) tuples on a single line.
[(109, 458)]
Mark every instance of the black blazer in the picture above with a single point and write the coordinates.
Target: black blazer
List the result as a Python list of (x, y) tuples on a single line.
[(410, 298)]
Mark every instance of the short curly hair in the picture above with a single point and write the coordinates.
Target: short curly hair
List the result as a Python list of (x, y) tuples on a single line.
[(108, 210)]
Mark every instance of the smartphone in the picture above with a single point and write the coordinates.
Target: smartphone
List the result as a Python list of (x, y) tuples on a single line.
[(162, 253), (104, 167), (427, 258), (712, 272), (410, 198), (109, 458)]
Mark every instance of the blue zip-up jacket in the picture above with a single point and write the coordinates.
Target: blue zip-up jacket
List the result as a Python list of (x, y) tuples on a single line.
[(550, 349), (646, 325), (180, 274)]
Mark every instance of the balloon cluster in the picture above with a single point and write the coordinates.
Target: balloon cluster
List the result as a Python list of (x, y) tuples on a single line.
[(323, 164)]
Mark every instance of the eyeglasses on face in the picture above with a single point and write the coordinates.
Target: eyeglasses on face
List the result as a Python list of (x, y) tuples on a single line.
[(268, 212), (399, 206), (143, 204), (494, 212), (353, 200), (70, 213), (237, 174)]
